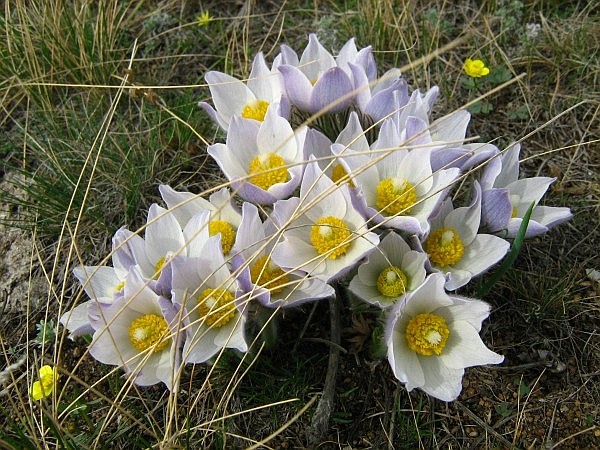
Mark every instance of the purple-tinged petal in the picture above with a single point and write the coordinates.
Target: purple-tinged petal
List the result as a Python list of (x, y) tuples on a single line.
[(333, 91), (77, 320), (362, 91), (297, 87), (496, 209), (315, 59)]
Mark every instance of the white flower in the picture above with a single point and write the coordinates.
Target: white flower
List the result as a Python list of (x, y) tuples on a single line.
[(225, 217), (264, 161), (319, 145), (323, 234), (250, 100), (163, 239), (454, 247), (102, 284), (207, 294), (139, 333), (389, 272), (396, 186), (432, 337), (506, 199), (261, 278)]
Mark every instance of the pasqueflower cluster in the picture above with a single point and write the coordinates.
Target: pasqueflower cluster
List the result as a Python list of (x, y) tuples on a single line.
[(358, 196)]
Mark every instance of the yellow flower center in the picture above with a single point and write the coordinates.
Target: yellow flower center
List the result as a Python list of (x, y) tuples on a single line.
[(395, 196), (227, 233), (330, 235), (427, 334), (392, 282), (149, 331), (339, 174), (268, 275), (268, 169), (444, 247), (119, 287), (256, 109), (216, 307)]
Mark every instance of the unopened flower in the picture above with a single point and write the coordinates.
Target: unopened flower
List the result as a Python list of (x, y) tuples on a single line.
[(43, 387), (432, 337), (475, 68), (392, 270), (318, 80)]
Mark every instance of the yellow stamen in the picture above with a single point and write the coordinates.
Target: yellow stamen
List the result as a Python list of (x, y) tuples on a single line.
[(330, 236), (268, 169), (256, 109), (158, 267), (339, 174), (392, 282), (227, 233), (119, 287), (268, 275), (216, 307), (427, 334), (444, 247), (149, 331), (395, 196)]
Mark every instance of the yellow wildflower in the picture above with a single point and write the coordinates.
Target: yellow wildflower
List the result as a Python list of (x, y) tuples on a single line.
[(43, 387), (204, 19), (475, 68)]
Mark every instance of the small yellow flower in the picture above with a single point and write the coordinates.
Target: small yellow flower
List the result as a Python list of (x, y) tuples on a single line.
[(204, 19), (475, 68), (43, 388)]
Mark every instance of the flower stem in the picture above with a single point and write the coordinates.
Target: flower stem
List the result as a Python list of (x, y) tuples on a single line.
[(320, 421)]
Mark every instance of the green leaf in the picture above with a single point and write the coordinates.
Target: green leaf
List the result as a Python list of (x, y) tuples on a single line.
[(499, 75), (481, 107), (510, 259)]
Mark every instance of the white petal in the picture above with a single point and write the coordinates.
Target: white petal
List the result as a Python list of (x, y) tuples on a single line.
[(163, 234), (229, 94), (485, 251), (227, 161), (441, 382), (183, 204), (510, 166), (465, 348)]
